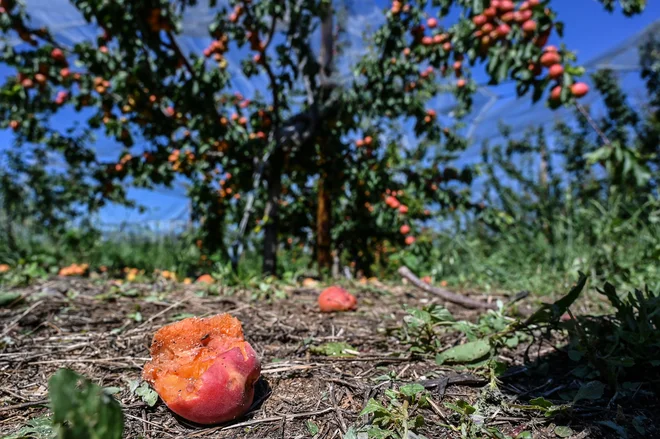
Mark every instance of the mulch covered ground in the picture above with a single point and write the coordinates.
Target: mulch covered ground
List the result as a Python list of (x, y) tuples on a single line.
[(83, 325)]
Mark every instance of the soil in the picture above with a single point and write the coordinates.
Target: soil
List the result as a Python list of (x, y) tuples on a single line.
[(91, 327)]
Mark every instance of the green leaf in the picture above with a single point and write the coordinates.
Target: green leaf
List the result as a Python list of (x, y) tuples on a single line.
[(638, 423), (541, 402), (36, 428), (334, 349), (563, 431), (552, 312), (372, 406), (81, 409), (112, 390), (575, 355), (312, 428), (592, 390), (616, 427), (512, 342), (148, 395), (465, 353), (411, 389), (9, 298), (461, 407), (350, 434), (524, 435)]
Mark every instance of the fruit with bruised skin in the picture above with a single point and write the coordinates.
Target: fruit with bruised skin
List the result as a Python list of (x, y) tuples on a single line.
[(336, 299), (203, 369)]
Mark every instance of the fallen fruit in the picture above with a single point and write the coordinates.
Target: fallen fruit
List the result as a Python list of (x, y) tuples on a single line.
[(203, 369), (205, 279), (308, 282), (336, 299), (74, 270)]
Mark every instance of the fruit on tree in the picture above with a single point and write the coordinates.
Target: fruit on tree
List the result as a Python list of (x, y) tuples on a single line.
[(410, 240), (58, 55), (503, 30), (556, 71), (404, 229), (529, 26), (579, 89), (555, 93), (479, 20), (550, 58), (203, 368), (335, 298)]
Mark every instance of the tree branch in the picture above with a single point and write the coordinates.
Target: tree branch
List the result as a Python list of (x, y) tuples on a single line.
[(465, 302)]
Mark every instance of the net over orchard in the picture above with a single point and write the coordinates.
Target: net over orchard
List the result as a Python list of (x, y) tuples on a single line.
[(168, 206), (355, 116)]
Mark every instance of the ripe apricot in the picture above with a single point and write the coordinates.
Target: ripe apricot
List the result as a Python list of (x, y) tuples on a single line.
[(479, 20), (529, 26), (205, 279), (555, 93), (579, 89), (410, 240), (203, 369), (550, 58), (4, 268), (336, 299), (556, 71), (404, 229)]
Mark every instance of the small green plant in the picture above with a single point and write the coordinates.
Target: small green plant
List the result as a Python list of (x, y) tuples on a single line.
[(36, 428), (621, 347), (83, 410), (144, 391), (334, 349), (420, 328), (398, 417)]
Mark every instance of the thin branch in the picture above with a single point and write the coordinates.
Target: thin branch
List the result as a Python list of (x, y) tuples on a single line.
[(178, 51), (593, 124), (465, 302)]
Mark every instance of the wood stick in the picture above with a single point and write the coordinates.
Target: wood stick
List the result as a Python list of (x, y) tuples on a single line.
[(447, 295)]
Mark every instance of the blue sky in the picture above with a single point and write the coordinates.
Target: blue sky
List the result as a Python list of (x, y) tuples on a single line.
[(589, 30)]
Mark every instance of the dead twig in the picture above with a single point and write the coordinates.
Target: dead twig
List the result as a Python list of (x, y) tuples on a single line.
[(23, 405), (447, 295)]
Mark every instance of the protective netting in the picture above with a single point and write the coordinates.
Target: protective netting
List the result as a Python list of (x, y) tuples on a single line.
[(491, 105)]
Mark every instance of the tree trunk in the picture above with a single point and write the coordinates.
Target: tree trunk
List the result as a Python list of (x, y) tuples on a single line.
[(324, 205), (323, 225), (274, 182)]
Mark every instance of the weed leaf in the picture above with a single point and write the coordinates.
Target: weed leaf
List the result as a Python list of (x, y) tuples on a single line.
[(465, 353), (592, 390)]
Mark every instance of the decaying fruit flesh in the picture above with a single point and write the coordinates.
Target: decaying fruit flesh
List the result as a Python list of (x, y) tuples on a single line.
[(203, 368)]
